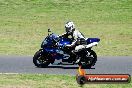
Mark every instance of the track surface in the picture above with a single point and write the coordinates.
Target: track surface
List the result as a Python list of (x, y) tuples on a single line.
[(104, 65)]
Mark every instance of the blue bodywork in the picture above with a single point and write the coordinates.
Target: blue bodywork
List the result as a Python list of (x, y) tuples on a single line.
[(48, 44), (91, 40)]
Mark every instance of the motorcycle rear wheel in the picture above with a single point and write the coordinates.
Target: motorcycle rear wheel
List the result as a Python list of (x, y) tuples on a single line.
[(40, 60), (92, 62)]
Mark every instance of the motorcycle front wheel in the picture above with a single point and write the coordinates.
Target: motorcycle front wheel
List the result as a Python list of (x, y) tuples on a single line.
[(40, 60)]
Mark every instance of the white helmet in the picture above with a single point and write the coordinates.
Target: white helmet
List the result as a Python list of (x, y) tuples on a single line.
[(69, 26)]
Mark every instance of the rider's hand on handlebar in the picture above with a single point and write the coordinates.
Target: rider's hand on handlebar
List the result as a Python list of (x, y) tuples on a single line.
[(60, 36)]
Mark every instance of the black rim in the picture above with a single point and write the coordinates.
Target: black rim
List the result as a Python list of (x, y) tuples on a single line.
[(93, 57), (42, 59), (90, 62)]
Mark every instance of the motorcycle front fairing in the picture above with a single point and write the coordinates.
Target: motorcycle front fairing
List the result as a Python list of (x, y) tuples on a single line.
[(48, 45), (49, 42)]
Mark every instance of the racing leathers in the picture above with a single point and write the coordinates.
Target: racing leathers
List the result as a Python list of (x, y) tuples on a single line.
[(75, 36)]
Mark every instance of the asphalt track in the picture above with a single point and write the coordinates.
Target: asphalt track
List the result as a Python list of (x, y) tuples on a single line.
[(104, 65)]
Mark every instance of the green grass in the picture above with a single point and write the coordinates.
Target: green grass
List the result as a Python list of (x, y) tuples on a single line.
[(49, 81), (24, 24)]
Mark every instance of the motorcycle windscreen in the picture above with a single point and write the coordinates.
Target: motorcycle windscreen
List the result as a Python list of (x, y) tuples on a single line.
[(50, 40), (47, 43), (91, 40)]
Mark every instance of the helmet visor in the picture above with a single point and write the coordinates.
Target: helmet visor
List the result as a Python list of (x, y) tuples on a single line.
[(68, 29)]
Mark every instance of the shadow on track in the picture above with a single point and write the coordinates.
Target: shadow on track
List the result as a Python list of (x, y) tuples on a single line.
[(62, 67)]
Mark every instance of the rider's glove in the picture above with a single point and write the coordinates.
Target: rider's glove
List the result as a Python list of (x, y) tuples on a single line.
[(60, 36)]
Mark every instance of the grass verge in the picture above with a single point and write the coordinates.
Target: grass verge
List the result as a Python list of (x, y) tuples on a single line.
[(24, 23), (49, 81)]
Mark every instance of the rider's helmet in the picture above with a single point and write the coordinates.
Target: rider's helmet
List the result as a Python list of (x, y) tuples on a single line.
[(69, 27)]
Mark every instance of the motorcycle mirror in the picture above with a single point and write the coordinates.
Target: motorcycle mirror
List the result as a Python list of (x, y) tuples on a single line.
[(49, 31)]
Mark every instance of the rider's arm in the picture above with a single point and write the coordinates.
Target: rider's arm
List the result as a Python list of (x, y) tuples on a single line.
[(76, 35), (73, 44), (64, 35)]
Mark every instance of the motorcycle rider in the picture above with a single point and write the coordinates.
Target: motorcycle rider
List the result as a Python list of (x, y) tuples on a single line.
[(77, 37)]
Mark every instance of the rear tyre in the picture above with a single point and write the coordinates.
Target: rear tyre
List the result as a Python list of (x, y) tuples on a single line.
[(41, 60), (92, 61)]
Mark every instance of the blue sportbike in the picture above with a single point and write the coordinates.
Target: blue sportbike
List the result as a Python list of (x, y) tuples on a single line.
[(53, 50)]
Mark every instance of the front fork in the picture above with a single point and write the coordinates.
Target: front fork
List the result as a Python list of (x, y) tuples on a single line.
[(51, 59)]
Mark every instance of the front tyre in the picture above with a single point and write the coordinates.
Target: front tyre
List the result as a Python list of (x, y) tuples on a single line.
[(41, 60)]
